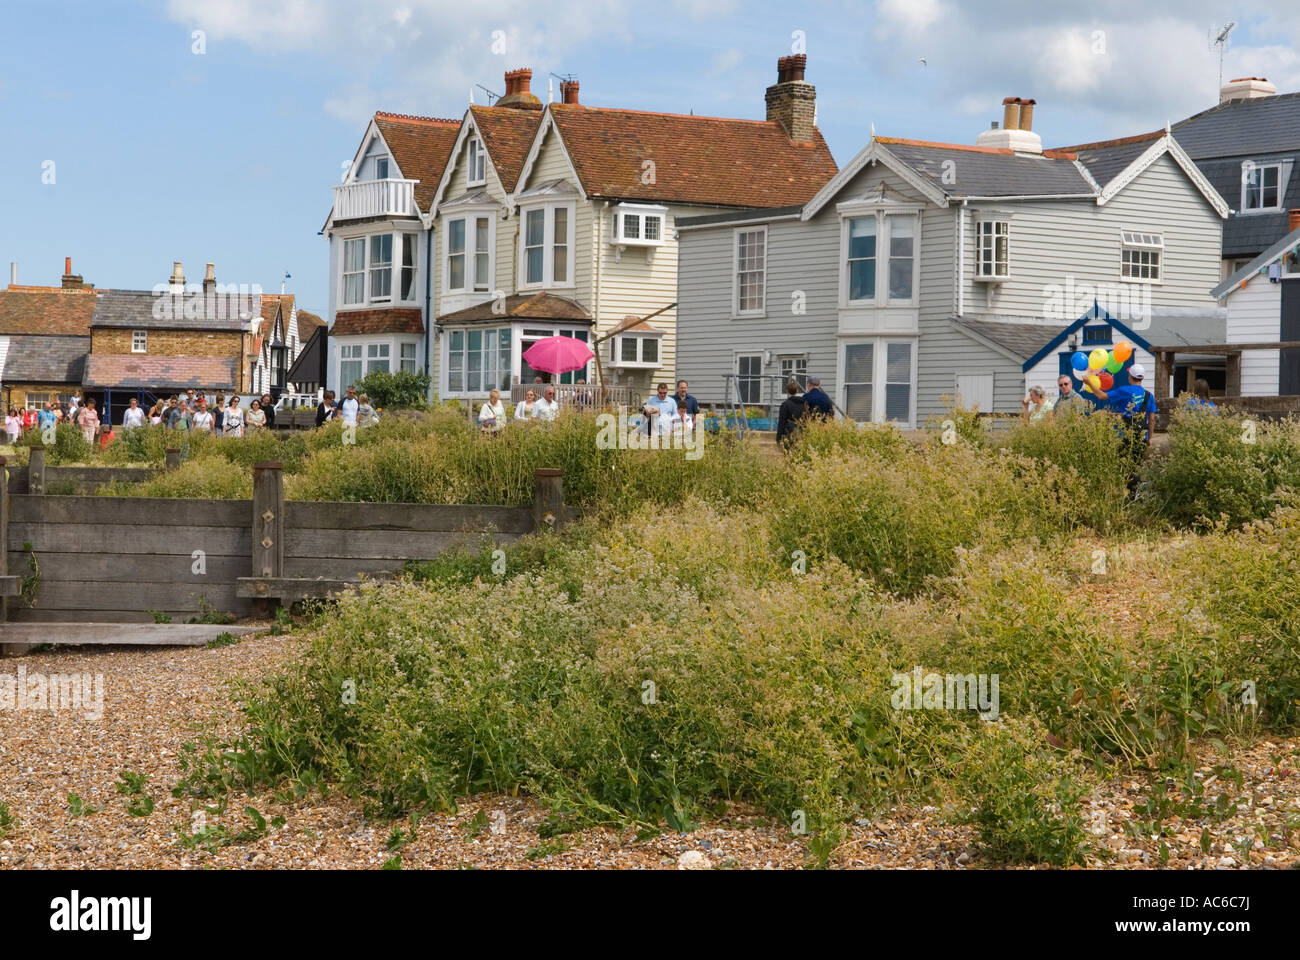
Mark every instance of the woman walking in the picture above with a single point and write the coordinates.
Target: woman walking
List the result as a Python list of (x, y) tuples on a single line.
[(233, 421)]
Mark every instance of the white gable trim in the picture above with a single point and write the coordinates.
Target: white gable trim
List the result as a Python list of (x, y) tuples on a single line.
[(1166, 144), (372, 130), (873, 152), (539, 138), (466, 125)]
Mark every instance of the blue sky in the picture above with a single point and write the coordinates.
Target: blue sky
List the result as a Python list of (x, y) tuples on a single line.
[(160, 153)]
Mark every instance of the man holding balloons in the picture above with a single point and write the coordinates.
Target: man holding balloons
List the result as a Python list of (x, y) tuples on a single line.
[(1134, 403)]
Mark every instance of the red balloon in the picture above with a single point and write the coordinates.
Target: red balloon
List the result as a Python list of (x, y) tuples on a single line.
[(1107, 381)]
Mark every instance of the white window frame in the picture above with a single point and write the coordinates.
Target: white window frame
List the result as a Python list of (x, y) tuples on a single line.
[(475, 163), (885, 214), (139, 341), (1136, 244), (548, 244), (798, 369), (1247, 168), (758, 378), (879, 374), (642, 212), (473, 282), (359, 359), (408, 364), (987, 230), (761, 310), (639, 361), (464, 333), (378, 356), (394, 267)]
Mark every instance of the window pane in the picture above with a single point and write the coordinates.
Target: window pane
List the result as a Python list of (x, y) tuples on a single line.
[(862, 238), (862, 280), (650, 350), (898, 381), (652, 227), (408, 266), (862, 258), (503, 357), (858, 358), (628, 348), (749, 368), (482, 267), (857, 401), (901, 233), (750, 260), (534, 237), (456, 361), (560, 269), (632, 226)]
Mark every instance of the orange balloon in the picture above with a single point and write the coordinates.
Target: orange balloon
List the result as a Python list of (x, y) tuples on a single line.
[(1123, 350)]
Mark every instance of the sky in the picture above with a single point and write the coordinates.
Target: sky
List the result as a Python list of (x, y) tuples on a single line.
[(140, 133)]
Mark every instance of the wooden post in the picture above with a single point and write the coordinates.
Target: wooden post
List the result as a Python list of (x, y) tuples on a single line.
[(268, 524), (548, 499), (173, 460), (1232, 374), (36, 471)]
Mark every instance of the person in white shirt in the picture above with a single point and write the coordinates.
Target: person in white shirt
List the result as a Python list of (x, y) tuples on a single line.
[(526, 409), (202, 420), (492, 415), (548, 407), (348, 408), (659, 411), (134, 416)]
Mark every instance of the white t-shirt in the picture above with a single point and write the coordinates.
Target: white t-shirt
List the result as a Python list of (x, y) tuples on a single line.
[(202, 421), (547, 409), (349, 408), (491, 416), (134, 417)]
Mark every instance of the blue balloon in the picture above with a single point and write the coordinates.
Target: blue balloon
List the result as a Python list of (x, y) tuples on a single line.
[(1079, 361)]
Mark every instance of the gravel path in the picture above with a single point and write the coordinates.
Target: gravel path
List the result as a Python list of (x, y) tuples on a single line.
[(154, 698)]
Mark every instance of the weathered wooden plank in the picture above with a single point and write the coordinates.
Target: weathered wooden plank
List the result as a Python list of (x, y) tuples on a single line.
[(139, 568), (19, 614), (10, 586), (86, 595), (132, 510), (17, 479), (411, 517), (150, 634), (123, 538), (348, 569), (291, 589), (373, 544)]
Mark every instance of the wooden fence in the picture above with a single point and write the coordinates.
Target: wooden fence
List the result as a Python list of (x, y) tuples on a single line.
[(116, 559)]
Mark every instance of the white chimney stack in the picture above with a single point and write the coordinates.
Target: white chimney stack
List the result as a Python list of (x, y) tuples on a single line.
[(1246, 88), (1016, 132), (177, 278)]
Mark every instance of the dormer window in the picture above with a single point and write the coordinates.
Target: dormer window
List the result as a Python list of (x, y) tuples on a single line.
[(639, 225), (476, 166), (1261, 186)]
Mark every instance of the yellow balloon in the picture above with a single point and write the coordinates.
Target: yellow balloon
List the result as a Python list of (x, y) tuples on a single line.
[(1097, 359), (1094, 381)]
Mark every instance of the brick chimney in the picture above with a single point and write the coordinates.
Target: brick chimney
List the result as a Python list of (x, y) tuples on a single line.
[(518, 96), (210, 280), (569, 91), (792, 100), (177, 280), (1293, 220), (71, 281)]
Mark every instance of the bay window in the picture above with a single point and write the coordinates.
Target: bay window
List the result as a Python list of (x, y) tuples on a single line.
[(637, 224), (469, 253), (546, 241), (878, 257), (992, 256), (878, 382), (478, 360), (377, 357), (368, 263), (349, 364)]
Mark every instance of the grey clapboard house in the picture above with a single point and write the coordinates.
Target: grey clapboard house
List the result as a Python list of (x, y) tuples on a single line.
[(878, 285)]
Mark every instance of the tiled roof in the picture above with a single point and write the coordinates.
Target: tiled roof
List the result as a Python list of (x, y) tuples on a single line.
[(989, 171), (39, 359), (171, 373), (1242, 128), (307, 324), (703, 160), (507, 134), (135, 309), (353, 323), (421, 147), (46, 310), (528, 306)]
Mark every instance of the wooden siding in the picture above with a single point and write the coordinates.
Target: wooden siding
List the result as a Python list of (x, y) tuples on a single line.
[(1255, 314)]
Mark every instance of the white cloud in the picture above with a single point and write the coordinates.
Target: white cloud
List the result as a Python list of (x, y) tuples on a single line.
[(910, 15), (725, 62)]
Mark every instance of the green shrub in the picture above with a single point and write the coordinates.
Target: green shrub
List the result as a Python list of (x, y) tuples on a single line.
[(827, 436), (207, 478), (1222, 466), (389, 391), (147, 444), (70, 445), (1023, 796), (962, 421)]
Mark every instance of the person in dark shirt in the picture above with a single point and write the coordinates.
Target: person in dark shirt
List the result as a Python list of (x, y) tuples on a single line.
[(268, 408), (686, 404), (816, 399), (793, 410), (1137, 409), (326, 410)]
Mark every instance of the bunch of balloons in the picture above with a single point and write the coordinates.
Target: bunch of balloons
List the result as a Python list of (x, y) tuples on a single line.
[(1097, 369)]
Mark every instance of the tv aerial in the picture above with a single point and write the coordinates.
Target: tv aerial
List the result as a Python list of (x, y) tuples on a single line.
[(1221, 41)]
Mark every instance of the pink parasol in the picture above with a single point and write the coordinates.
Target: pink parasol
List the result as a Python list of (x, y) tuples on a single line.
[(558, 355)]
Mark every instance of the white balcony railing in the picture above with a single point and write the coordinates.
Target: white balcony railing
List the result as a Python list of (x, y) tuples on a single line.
[(375, 198)]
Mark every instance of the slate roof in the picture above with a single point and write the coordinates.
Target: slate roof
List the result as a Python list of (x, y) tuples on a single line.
[(507, 134), (169, 373), (990, 171), (1022, 338), (1245, 273), (421, 146), (529, 306), (1260, 125), (46, 310), (1107, 160), (41, 359), (134, 309), (1246, 234), (352, 323), (699, 160)]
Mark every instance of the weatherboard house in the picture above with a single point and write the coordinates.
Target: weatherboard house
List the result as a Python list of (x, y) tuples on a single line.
[(924, 272), (457, 244)]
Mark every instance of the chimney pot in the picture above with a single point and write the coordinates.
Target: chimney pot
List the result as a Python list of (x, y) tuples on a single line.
[(1293, 219), (210, 279), (67, 264), (518, 94), (1027, 114), (1010, 113), (569, 91), (13, 273)]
